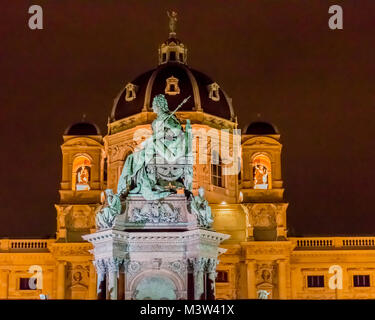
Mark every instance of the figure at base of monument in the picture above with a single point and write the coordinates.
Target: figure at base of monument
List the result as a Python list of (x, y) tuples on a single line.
[(202, 210), (107, 213)]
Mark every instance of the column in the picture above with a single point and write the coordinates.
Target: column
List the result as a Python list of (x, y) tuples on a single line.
[(101, 286), (101, 270), (113, 266), (198, 278), (92, 283), (251, 285), (282, 279), (121, 286), (112, 285), (4, 284), (211, 277), (60, 294)]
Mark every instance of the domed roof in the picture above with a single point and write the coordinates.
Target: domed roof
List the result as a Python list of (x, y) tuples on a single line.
[(260, 128), (82, 129), (190, 82)]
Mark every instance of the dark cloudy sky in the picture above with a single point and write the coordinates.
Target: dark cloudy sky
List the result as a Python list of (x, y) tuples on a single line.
[(276, 58)]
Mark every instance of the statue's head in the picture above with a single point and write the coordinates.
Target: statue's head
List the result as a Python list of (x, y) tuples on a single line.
[(108, 192), (160, 104), (201, 192)]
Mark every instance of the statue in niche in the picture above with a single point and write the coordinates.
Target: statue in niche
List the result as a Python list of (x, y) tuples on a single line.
[(83, 177), (107, 213), (260, 174), (201, 209), (168, 143)]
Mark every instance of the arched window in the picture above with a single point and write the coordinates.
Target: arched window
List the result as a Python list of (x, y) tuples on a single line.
[(217, 178), (262, 172), (81, 173)]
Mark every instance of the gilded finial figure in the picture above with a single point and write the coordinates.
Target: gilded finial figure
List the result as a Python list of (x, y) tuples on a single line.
[(172, 15)]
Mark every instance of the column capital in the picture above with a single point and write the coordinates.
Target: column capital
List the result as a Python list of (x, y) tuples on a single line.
[(280, 261), (250, 261), (198, 264)]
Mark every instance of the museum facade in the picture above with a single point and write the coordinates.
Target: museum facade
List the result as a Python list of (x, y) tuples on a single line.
[(256, 257)]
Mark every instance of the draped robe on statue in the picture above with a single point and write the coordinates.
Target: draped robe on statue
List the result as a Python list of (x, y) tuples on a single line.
[(167, 144)]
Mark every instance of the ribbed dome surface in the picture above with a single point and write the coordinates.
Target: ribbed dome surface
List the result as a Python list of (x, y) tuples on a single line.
[(260, 128), (190, 82), (82, 129)]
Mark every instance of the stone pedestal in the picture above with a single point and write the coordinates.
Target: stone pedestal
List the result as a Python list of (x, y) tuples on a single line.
[(156, 263)]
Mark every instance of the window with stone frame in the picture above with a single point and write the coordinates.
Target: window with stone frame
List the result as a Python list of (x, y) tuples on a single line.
[(361, 280), (315, 281), (217, 178), (222, 276), (26, 284)]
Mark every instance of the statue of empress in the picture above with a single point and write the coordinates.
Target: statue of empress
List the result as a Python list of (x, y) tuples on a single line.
[(167, 144)]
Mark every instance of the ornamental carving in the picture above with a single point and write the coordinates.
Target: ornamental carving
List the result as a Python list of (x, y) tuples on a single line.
[(133, 267), (178, 266), (71, 250), (260, 215), (107, 265), (155, 212), (197, 264), (211, 265), (264, 217), (78, 275), (265, 273)]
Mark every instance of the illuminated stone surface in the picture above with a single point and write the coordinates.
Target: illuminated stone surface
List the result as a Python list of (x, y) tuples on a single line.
[(259, 256)]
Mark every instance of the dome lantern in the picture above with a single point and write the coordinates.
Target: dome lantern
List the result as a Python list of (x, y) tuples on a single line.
[(172, 50)]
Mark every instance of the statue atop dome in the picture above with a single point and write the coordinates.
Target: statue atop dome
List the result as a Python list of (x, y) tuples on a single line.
[(172, 15)]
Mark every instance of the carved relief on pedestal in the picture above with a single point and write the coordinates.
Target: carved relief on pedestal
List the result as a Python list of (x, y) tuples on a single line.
[(171, 211), (155, 212)]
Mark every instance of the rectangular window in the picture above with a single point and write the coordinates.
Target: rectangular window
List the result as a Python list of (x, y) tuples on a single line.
[(222, 276), (315, 281), (216, 175), (361, 280), (172, 56), (25, 284)]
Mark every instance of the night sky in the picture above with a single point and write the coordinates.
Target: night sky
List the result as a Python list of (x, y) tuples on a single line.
[(278, 59)]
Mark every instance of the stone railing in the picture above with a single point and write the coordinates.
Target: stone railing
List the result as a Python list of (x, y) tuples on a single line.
[(332, 242), (25, 244)]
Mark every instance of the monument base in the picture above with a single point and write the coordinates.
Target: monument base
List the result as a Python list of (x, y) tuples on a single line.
[(156, 265)]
